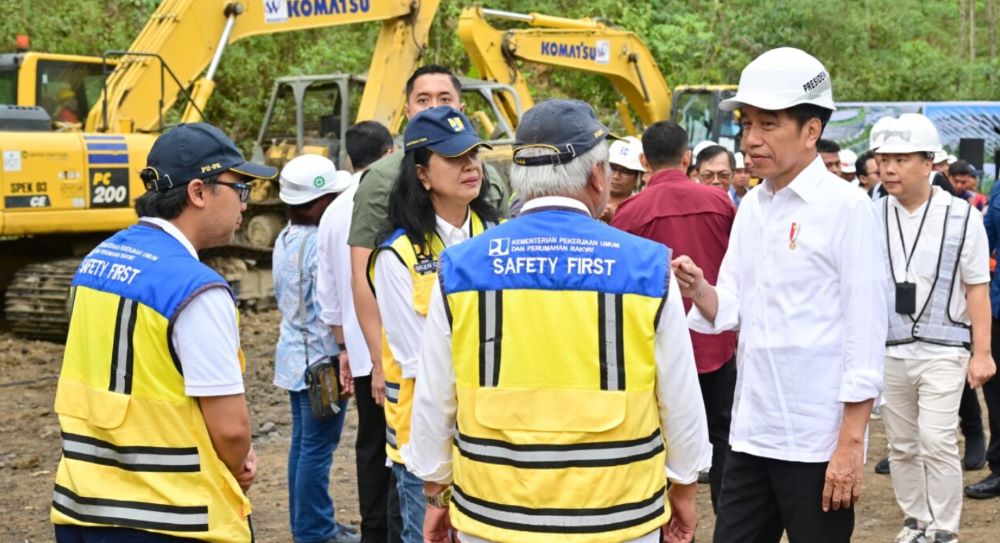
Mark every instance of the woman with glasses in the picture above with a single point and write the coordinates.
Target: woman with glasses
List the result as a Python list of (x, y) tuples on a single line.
[(715, 166), (309, 183), (439, 200)]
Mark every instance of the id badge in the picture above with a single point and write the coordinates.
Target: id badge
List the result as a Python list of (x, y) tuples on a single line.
[(906, 298)]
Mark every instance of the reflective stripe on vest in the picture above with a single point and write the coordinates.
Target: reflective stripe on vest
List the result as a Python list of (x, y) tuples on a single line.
[(422, 263), (130, 514), (555, 381), (165, 459), (121, 355), (934, 323)]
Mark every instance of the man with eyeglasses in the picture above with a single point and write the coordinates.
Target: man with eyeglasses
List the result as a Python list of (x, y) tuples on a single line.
[(693, 220), (153, 363), (715, 167)]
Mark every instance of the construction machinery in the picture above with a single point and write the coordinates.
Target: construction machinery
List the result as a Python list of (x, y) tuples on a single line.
[(70, 177)]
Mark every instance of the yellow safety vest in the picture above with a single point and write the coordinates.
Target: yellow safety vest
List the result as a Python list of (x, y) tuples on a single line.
[(553, 330), (136, 451), (422, 264)]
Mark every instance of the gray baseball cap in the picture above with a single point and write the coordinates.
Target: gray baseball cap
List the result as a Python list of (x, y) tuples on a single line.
[(569, 127)]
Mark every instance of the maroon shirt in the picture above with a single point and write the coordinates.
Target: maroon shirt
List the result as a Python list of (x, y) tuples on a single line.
[(693, 220)]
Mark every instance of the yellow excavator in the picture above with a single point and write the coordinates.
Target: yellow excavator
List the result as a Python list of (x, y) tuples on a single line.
[(75, 131), (593, 46)]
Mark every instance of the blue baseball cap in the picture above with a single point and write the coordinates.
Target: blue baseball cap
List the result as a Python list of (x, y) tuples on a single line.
[(196, 151), (443, 129), (569, 127)]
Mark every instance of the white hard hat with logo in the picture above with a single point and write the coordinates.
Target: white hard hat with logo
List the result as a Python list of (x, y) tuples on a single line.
[(782, 78), (847, 160), (625, 153), (877, 134), (308, 177), (910, 133)]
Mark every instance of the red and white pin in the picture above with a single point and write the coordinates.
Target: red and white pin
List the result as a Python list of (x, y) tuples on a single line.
[(793, 235)]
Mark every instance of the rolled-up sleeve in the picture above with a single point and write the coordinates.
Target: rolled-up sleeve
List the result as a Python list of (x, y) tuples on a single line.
[(432, 423), (678, 395), (864, 301)]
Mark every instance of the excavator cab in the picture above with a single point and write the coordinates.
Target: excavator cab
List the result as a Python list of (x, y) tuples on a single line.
[(64, 86), (696, 109)]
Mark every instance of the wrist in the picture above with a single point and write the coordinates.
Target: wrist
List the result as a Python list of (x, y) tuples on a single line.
[(342, 347)]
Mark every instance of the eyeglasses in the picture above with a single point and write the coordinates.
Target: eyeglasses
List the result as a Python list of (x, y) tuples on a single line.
[(711, 176), (242, 188)]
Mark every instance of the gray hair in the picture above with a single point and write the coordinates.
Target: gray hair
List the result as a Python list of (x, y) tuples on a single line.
[(565, 179)]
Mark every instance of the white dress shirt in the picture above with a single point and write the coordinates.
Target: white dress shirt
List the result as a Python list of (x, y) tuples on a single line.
[(404, 327), (973, 265), (333, 285), (805, 282), (682, 412), (205, 335)]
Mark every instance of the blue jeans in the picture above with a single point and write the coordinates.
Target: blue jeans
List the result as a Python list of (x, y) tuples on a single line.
[(309, 460), (411, 503)]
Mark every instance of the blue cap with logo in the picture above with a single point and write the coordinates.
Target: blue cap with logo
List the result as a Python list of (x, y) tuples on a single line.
[(568, 127), (443, 129), (196, 151)]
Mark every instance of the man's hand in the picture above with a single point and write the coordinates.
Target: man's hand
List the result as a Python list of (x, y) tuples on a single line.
[(249, 473), (684, 515), (437, 525), (346, 379), (844, 476), (689, 276), (981, 369), (378, 384)]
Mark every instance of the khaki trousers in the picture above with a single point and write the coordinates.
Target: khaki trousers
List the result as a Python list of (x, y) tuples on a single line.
[(921, 417)]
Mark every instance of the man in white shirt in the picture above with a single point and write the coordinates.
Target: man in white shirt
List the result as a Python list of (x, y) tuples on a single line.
[(366, 142), (804, 281), (938, 255)]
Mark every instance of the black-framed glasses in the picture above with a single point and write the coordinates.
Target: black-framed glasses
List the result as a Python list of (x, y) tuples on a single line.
[(243, 189)]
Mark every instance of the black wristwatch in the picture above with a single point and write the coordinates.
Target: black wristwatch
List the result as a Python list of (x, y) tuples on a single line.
[(342, 347)]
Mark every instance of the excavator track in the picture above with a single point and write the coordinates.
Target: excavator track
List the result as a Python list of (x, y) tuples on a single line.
[(37, 300)]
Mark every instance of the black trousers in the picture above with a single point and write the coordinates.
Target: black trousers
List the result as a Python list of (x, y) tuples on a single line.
[(763, 497), (717, 389), (66, 533), (970, 415), (376, 488), (991, 391)]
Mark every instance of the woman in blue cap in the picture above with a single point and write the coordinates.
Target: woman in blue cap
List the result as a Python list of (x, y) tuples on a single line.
[(439, 199)]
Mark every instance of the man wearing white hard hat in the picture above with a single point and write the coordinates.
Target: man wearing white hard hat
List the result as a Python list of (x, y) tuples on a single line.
[(626, 172), (938, 256), (847, 166), (309, 183), (741, 180), (803, 278)]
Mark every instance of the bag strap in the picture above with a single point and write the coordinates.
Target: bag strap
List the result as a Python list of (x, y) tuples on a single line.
[(302, 294)]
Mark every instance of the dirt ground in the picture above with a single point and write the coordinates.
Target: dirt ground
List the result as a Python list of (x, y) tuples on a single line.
[(30, 448)]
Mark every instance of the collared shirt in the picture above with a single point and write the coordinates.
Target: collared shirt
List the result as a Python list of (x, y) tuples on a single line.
[(973, 264), (333, 284), (805, 281), (682, 412), (991, 221), (404, 327), (205, 335), (299, 343), (693, 220)]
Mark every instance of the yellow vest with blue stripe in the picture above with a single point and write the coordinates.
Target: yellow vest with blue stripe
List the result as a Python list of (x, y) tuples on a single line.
[(136, 451), (553, 319), (422, 264)]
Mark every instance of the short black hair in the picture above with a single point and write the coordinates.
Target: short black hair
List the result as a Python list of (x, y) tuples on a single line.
[(861, 164), (432, 69), (712, 151), (827, 146), (962, 167), (803, 112), (366, 142), (664, 144)]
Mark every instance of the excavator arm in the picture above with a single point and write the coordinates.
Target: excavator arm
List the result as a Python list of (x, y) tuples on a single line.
[(578, 44), (184, 37)]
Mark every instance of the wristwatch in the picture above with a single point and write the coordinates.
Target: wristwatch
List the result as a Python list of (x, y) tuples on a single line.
[(441, 499)]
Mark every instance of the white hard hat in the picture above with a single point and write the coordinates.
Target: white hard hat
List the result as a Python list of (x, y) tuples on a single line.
[(910, 133), (740, 164), (952, 159), (308, 177), (877, 133), (940, 156), (625, 153), (701, 147), (847, 160), (782, 78)]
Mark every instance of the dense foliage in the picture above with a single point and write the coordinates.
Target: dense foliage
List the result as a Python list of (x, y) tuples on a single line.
[(895, 50)]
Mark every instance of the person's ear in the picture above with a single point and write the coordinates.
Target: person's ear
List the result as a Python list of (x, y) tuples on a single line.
[(196, 191), (422, 176), (686, 161), (642, 160)]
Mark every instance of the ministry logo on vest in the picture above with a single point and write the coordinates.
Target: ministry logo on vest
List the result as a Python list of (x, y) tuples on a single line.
[(499, 247)]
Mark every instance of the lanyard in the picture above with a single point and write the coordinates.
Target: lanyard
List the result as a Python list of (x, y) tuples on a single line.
[(902, 242)]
